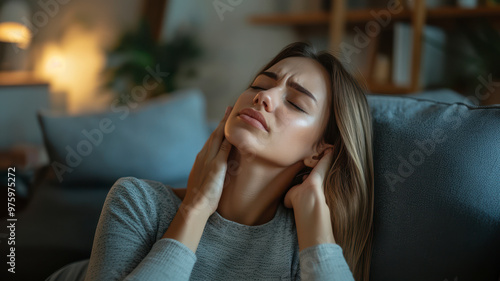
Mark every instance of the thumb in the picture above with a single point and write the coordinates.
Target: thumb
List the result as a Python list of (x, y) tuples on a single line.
[(288, 198), (224, 150)]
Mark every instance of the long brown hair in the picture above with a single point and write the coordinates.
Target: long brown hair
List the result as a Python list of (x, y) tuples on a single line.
[(349, 183)]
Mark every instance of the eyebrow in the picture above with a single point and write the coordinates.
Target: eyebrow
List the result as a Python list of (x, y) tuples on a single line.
[(294, 85)]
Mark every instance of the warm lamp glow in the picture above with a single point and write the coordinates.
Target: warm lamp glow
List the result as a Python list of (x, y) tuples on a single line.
[(73, 67), (13, 32), (52, 64), (12, 29)]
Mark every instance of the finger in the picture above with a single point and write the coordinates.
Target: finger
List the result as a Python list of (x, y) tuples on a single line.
[(288, 197), (321, 169), (202, 155), (221, 164), (223, 154), (206, 147), (218, 135), (224, 119)]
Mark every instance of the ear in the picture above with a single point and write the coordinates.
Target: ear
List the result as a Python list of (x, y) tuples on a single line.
[(313, 159)]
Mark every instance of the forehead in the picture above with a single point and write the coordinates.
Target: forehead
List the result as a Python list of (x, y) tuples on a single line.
[(309, 73)]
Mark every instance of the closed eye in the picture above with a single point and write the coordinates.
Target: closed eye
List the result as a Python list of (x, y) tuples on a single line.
[(256, 88), (296, 106)]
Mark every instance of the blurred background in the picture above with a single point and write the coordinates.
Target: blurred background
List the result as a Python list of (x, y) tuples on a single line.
[(81, 57), (78, 56)]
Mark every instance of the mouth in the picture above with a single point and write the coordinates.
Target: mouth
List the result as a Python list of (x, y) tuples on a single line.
[(254, 118)]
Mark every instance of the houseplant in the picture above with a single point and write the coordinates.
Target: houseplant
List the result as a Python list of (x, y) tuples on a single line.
[(137, 51), (474, 61)]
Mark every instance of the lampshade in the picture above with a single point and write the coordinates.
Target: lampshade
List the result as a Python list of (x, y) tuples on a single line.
[(12, 28)]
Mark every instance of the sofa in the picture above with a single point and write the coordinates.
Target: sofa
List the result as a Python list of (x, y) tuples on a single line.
[(437, 181)]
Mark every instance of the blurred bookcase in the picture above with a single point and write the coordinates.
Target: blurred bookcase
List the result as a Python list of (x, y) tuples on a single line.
[(339, 19)]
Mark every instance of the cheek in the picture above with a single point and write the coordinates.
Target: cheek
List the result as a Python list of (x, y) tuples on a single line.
[(295, 138), (296, 126)]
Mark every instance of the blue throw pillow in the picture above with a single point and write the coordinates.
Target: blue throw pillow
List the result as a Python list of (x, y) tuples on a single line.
[(437, 190), (158, 140)]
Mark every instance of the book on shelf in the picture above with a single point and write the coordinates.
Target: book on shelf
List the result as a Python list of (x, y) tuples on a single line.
[(432, 62)]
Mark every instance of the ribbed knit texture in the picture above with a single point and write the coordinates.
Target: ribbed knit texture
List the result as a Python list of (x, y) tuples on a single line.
[(137, 213)]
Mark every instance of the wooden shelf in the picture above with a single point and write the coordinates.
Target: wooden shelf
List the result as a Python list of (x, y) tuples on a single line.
[(19, 78), (339, 17), (292, 19), (462, 13), (365, 15)]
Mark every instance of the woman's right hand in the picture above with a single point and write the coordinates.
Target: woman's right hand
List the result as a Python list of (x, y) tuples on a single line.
[(206, 179)]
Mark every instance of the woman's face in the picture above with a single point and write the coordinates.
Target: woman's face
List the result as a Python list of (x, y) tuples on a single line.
[(292, 98)]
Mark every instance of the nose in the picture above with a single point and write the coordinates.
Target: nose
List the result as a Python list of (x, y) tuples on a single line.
[(264, 98)]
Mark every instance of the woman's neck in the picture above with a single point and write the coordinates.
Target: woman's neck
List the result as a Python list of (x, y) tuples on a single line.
[(254, 188)]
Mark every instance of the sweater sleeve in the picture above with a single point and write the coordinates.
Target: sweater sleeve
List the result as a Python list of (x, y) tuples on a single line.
[(324, 262), (125, 244)]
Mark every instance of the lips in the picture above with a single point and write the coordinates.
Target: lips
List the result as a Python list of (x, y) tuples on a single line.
[(253, 114)]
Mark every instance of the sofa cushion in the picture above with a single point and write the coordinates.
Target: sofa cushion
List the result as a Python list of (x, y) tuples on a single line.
[(158, 140), (442, 95), (437, 190)]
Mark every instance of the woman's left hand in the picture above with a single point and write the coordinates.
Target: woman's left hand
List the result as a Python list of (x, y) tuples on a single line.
[(311, 191), (312, 214)]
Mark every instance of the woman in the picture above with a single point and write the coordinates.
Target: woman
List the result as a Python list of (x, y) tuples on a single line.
[(282, 189)]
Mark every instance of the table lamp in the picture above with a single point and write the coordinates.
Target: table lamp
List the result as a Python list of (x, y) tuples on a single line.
[(15, 36)]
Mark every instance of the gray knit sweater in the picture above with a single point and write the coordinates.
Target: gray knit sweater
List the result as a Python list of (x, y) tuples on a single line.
[(136, 214)]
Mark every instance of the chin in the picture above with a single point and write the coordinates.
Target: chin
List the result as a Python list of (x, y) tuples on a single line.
[(243, 140), (252, 145)]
